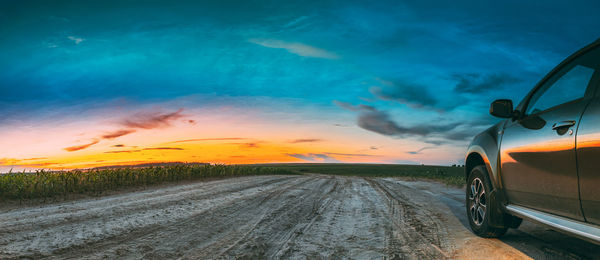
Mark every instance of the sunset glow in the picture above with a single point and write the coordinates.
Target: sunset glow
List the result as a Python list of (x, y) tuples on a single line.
[(215, 135), (84, 84)]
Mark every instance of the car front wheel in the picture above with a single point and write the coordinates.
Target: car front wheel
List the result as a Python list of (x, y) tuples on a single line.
[(478, 204)]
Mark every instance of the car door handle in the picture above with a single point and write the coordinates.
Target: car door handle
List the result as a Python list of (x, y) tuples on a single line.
[(563, 124)]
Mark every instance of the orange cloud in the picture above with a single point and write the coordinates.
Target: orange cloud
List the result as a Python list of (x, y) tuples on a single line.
[(80, 147), (349, 154), (118, 133), (305, 141), (209, 139), (248, 145), (125, 151), (164, 148)]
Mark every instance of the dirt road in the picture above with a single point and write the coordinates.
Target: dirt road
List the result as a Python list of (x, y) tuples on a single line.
[(295, 217)]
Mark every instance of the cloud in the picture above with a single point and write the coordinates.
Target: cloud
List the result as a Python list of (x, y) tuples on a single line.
[(248, 145), (125, 151), (210, 139), (476, 83), (118, 133), (379, 122), (419, 151), (369, 118), (149, 120), (301, 156), (30, 164), (164, 148), (77, 40), (435, 141), (251, 145), (80, 147), (461, 135), (313, 157), (118, 145), (350, 154), (37, 158), (305, 141), (143, 120), (296, 48), (21, 162), (413, 95), (351, 107)]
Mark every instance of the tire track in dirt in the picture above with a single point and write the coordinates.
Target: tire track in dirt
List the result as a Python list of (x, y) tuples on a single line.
[(417, 232), (346, 224), (276, 207), (529, 241), (99, 224), (53, 216), (289, 217), (248, 236), (188, 234), (319, 205), (291, 213), (339, 221)]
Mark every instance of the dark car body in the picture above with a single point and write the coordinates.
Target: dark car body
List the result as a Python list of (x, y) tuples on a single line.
[(543, 160)]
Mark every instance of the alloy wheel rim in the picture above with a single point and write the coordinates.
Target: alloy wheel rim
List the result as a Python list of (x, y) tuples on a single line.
[(477, 201)]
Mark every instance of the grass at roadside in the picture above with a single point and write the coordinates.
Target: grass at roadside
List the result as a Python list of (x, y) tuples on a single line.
[(48, 184), (450, 175)]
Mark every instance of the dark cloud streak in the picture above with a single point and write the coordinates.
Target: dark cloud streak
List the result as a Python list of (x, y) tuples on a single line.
[(371, 119), (312, 157), (476, 83), (150, 120), (420, 150), (412, 95)]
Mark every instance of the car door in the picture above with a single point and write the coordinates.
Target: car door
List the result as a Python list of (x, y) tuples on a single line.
[(588, 157), (537, 152)]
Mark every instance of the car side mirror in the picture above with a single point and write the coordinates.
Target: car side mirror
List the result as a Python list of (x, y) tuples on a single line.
[(502, 108)]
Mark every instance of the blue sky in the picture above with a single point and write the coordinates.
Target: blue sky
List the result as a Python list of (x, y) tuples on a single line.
[(410, 71)]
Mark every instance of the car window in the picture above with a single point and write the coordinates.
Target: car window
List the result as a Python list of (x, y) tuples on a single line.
[(568, 87)]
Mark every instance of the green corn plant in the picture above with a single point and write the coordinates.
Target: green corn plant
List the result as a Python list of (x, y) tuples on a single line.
[(48, 184)]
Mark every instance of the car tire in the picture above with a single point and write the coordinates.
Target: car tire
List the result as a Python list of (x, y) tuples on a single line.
[(478, 208)]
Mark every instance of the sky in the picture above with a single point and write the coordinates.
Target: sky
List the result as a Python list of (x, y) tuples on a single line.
[(95, 83)]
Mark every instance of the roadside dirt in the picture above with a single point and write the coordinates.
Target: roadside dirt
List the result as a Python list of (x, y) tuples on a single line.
[(291, 217)]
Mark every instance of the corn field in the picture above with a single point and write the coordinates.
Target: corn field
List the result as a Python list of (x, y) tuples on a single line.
[(47, 184)]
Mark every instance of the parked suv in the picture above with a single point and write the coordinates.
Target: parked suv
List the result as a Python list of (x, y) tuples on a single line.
[(542, 163)]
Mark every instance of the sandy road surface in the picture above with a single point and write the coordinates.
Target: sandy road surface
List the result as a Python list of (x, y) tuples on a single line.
[(293, 217)]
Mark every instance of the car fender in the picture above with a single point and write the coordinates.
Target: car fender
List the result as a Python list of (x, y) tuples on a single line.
[(484, 149)]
